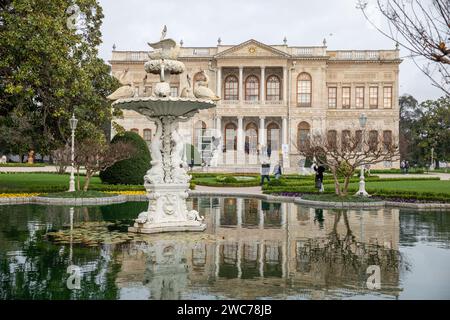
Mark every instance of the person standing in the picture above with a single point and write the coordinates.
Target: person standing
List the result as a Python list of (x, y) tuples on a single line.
[(319, 169), (277, 170), (406, 166), (265, 171), (402, 166)]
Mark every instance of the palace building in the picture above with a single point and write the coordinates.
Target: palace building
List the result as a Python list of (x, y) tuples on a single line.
[(272, 97)]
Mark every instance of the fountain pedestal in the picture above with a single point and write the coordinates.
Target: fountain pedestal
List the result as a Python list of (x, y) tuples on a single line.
[(167, 211)]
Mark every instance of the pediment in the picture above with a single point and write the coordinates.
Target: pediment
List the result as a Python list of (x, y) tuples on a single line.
[(252, 48)]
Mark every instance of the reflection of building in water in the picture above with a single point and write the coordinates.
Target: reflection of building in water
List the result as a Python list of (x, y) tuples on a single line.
[(284, 249)]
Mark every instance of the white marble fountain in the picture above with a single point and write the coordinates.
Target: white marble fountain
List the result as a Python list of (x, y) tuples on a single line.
[(167, 182)]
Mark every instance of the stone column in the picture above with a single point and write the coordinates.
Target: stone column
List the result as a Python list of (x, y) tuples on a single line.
[(241, 81), (217, 259), (220, 133), (262, 133), (240, 140), (239, 212), (285, 140), (262, 85), (219, 82), (285, 84), (261, 216), (239, 259), (261, 259)]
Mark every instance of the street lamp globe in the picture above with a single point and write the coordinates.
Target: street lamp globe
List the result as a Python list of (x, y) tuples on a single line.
[(73, 122)]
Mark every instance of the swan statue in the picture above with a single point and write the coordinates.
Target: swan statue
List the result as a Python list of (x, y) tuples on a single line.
[(202, 91)]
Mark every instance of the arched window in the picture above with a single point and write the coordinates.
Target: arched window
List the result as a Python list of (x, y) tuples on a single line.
[(252, 88), (251, 138), (148, 135), (273, 137), (304, 88), (273, 88), (332, 138), (373, 140), (345, 139), (231, 91), (303, 129), (199, 132), (135, 130), (230, 137), (387, 139)]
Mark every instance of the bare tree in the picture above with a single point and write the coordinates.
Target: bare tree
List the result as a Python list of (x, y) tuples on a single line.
[(61, 158), (348, 152), (421, 27), (96, 156)]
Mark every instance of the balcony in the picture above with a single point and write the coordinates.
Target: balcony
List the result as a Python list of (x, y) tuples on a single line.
[(129, 56), (364, 55), (308, 51)]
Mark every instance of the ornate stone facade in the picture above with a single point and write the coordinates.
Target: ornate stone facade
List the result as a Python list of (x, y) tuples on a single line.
[(272, 96)]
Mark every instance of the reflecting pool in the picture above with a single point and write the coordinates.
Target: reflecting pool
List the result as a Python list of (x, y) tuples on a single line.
[(252, 249)]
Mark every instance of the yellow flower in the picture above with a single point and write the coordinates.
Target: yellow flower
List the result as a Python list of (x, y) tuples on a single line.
[(128, 193), (18, 195)]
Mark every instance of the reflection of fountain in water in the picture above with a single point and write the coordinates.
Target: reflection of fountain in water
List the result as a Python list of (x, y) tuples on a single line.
[(265, 257)]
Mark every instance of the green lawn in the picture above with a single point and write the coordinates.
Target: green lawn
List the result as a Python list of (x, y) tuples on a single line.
[(51, 182), (438, 186)]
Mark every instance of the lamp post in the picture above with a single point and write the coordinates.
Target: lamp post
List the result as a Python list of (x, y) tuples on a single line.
[(73, 125), (362, 184)]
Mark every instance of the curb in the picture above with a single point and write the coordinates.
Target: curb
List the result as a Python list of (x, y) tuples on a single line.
[(297, 200)]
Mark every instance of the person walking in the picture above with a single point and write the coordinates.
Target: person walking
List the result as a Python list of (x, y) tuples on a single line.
[(402, 166), (265, 171), (277, 170), (319, 169), (406, 166)]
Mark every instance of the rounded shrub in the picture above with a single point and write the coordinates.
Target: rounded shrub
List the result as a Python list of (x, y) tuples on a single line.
[(132, 170)]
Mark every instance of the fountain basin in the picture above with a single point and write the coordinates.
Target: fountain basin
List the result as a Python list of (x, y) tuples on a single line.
[(168, 106)]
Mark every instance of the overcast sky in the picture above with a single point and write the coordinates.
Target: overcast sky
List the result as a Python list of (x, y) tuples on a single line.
[(130, 24)]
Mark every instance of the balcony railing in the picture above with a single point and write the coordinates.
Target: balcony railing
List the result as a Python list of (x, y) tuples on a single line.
[(129, 56), (364, 55), (308, 51)]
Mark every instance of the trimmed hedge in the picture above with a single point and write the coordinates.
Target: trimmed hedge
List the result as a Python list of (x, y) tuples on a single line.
[(129, 171)]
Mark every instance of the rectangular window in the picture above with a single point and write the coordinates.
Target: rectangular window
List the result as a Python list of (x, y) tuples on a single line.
[(359, 140), (174, 92), (373, 97), (387, 97), (136, 91), (332, 97), (359, 97), (345, 97)]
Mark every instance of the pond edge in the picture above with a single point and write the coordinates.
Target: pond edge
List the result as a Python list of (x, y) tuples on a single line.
[(126, 198)]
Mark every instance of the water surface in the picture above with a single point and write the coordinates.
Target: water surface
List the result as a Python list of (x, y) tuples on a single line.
[(251, 249)]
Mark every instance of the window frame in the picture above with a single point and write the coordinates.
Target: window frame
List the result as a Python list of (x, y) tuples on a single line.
[(359, 99), (373, 98), (308, 94), (334, 99), (344, 98), (390, 97), (267, 88), (226, 89), (257, 82)]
